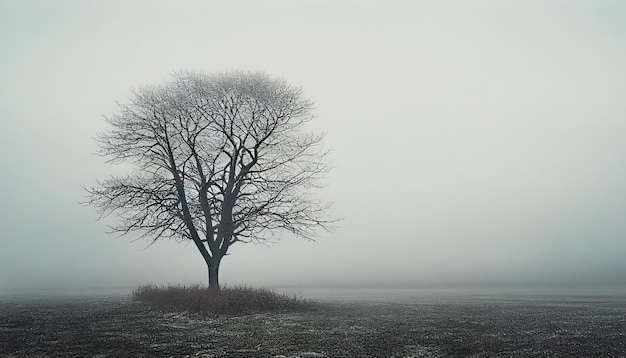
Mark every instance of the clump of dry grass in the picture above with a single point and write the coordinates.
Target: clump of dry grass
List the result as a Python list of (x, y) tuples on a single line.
[(237, 300)]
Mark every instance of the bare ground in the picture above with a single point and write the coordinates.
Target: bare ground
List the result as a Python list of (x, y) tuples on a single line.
[(119, 327)]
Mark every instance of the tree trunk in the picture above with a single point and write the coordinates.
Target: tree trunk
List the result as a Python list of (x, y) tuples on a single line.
[(214, 270)]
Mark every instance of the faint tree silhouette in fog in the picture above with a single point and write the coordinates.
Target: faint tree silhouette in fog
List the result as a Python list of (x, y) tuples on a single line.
[(218, 159)]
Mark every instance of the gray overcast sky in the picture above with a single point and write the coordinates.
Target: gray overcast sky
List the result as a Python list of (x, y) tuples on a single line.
[(476, 143)]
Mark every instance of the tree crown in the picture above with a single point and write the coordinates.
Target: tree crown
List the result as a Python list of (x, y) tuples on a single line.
[(218, 159)]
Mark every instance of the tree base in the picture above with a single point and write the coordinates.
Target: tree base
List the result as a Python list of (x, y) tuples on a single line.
[(238, 300)]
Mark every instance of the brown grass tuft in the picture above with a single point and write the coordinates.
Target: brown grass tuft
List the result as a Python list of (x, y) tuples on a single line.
[(237, 300)]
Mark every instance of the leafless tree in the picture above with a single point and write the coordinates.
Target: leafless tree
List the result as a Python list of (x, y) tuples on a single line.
[(219, 159)]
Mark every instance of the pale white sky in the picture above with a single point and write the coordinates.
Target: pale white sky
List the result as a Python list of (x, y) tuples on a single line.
[(476, 143)]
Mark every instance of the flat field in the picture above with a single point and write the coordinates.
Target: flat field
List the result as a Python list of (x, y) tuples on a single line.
[(116, 326)]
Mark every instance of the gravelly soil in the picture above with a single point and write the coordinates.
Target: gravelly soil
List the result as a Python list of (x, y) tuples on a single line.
[(119, 327)]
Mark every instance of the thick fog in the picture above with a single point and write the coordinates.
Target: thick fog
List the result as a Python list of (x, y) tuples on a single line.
[(475, 143)]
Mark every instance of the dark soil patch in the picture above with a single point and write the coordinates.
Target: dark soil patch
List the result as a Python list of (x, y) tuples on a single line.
[(120, 327)]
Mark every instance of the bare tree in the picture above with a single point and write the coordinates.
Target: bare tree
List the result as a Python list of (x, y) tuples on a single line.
[(219, 159)]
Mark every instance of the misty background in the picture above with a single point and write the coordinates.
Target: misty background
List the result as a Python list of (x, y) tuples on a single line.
[(475, 144)]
